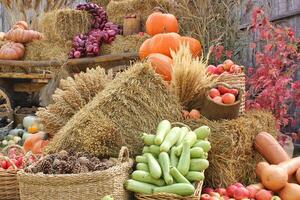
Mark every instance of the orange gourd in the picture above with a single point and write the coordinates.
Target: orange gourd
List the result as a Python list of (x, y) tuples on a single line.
[(38, 146), (22, 36), (144, 49), (33, 139), (12, 51), (158, 22), (21, 24), (270, 149), (298, 175), (259, 167), (290, 192), (162, 65), (164, 43), (194, 45)]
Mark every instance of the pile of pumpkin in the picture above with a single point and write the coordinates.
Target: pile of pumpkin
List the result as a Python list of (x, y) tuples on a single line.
[(164, 30), (19, 34)]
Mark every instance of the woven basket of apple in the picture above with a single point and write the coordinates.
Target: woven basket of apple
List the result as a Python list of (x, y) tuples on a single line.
[(222, 102), (231, 74), (12, 159)]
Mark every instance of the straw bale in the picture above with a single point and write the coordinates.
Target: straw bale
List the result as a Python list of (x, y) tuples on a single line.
[(47, 50), (64, 24), (127, 44), (71, 96), (118, 9), (102, 3), (233, 157), (134, 102)]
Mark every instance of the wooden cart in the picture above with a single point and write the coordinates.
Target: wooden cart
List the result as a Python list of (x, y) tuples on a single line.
[(30, 76)]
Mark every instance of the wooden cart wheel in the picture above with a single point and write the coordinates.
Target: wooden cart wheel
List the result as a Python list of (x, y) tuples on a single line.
[(4, 100)]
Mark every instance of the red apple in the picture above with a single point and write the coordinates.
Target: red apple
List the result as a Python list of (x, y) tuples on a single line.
[(228, 99), (235, 92), (241, 193), (211, 69), (232, 68), (185, 114), (222, 89), (263, 195), (220, 69), (207, 190), (218, 100), (221, 191), (214, 194), (252, 190), (205, 197), (230, 190), (214, 92), (194, 114), (214, 198), (225, 198), (239, 185), (227, 64)]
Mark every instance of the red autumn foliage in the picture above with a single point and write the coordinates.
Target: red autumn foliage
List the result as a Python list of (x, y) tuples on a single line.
[(271, 83)]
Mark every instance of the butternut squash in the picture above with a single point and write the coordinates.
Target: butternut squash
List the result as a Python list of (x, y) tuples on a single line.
[(290, 192), (298, 175)]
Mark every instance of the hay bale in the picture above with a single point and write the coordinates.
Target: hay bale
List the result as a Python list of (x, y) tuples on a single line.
[(233, 157), (102, 3), (64, 24), (134, 102), (47, 50), (118, 9), (127, 44)]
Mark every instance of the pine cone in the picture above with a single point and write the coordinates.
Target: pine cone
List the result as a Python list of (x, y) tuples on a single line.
[(46, 167), (63, 155), (76, 168)]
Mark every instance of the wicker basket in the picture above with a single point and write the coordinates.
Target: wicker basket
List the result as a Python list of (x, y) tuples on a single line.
[(167, 196), (20, 113), (237, 81), (91, 186), (9, 186)]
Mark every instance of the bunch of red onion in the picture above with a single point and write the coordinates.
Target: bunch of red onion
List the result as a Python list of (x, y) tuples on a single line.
[(102, 31)]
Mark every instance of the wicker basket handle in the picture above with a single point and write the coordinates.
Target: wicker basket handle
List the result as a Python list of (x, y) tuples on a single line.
[(9, 160), (181, 124), (123, 155), (18, 147)]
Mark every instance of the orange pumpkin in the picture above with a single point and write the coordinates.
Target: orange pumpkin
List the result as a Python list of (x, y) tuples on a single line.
[(161, 64), (144, 49), (22, 36), (158, 22), (194, 45), (33, 139), (164, 43), (12, 51)]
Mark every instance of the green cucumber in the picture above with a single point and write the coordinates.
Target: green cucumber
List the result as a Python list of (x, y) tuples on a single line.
[(162, 130), (204, 144), (202, 132), (107, 197), (178, 176), (184, 160), (199, 165), (142, 166), (154, 167), (141, 159), (154, 149), (197, 152), (145, 177), (146, 149), (183, 132), (173, 158), (148, 139), (170, 139), (195, 176), (191, 138), (139, 187), (164, 162), (182, 189)]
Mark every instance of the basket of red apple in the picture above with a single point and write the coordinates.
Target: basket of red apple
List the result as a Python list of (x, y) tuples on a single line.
[(238, 191), (231, 74), (222, 102)]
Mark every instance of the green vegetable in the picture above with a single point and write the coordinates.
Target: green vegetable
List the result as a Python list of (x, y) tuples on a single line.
[(146, 149), (154, 149), (182, 189), (178, 176), (145, 177), (195, 176), (197, 152), (183, 132), (139, 187), (199, 164), (202, 132), (17, 139), (108, 197), (204, 144), (162, 130), (173, 158), (164, 162), (170, 139), (4, 142), (141, 159), (153, 165), (191, 138), (148, 138), (142, 166), (184, 160)]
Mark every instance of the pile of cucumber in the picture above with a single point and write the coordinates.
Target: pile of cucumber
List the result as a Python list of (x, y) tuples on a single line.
[(172, 161)]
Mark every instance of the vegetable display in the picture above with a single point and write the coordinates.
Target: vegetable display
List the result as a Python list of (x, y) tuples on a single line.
[(159, 22), (172, 160), (227, 67), (223, 95)]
